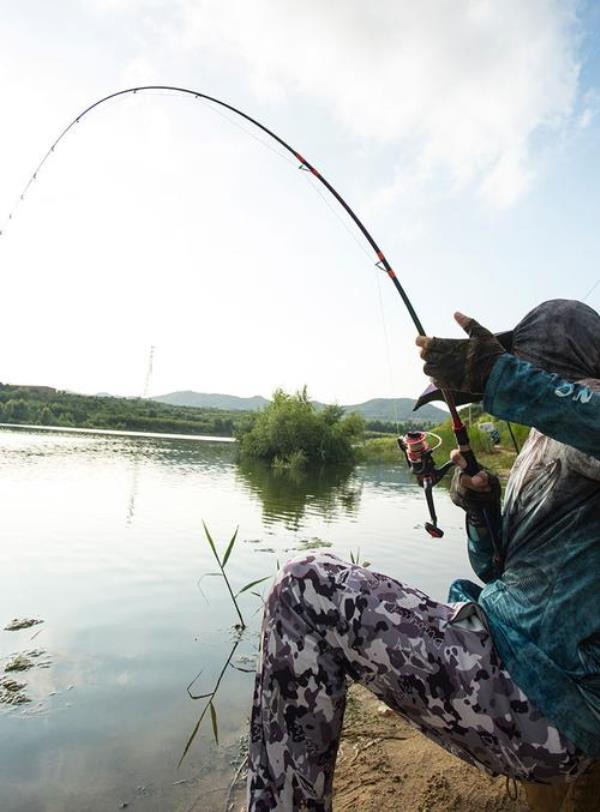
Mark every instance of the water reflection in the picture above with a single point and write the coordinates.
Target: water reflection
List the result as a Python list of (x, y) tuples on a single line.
[(209, 697), (102, 538), (289, 494), (135, 476)]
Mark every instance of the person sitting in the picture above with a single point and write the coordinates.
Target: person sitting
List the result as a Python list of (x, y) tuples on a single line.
[(506, 675)]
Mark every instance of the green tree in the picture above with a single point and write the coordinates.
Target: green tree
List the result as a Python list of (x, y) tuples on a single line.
[(291, 431), (16, 411), (46, 417)]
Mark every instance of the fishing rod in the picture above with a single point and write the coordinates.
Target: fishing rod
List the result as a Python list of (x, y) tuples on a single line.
[(416, 449)]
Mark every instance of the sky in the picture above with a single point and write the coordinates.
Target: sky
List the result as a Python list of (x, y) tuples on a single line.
[(464, 133)]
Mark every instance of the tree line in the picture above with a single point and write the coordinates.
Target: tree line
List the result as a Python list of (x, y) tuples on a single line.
[(291, 420), (37, 405)]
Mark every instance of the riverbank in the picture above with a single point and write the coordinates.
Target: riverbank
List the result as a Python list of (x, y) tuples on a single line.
[(384, 764), (117, 433)]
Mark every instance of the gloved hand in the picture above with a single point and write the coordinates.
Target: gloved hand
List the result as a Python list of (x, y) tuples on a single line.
[(461, 365), (475, 494)]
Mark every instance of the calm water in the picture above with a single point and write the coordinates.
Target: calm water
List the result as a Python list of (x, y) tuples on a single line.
[(101, 537)]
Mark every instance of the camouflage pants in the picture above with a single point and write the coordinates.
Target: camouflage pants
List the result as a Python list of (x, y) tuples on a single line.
[(327, 623)]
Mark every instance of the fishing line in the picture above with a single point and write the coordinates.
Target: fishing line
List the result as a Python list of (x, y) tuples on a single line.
[(591, 290), (247, 132), (34, 176), (312, 184), (387, 351), (303, 164), (361, 246), (338, 217), (427, 478)]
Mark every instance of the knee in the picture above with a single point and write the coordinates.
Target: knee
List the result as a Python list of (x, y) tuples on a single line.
[(310, 566), (301, 573)]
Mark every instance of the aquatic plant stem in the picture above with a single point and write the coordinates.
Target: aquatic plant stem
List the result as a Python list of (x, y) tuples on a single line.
[(210, 697), (222, 567)]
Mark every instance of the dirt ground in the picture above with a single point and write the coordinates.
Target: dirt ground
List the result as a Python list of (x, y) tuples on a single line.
[(383, 764)]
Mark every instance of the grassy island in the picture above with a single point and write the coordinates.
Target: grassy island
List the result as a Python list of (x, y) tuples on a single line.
[(292, 432)]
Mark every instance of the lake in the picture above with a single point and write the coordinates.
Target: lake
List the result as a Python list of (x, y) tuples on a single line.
[(101, 538)]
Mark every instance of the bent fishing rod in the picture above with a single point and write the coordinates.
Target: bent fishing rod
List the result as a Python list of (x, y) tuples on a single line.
[(416, 449)]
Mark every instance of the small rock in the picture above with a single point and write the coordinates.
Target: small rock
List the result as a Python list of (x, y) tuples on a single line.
[(13, 699), (10, 692), (313, 543), (11, 685), (384, 711), (246, 659), (21, 623), (18, 663)]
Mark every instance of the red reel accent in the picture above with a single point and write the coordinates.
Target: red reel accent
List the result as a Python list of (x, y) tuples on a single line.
[(434, 532), (416, 445)]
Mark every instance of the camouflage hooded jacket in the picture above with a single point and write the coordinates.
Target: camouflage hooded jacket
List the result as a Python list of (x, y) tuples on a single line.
[(543, 608)]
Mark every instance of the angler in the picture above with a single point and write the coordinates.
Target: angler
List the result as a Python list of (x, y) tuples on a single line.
[(506, 677)]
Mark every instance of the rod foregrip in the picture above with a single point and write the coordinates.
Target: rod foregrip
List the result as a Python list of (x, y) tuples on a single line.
[(462, 438), (472, 467)]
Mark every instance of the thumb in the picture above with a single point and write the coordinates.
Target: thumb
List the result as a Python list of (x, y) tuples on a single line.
[(471, 327), (478, 482)]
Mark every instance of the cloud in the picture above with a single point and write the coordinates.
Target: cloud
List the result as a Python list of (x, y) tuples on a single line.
[(458, 87)]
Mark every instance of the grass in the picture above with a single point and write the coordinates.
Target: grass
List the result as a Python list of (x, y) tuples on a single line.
[(499, 458), (380, 449), (222, 563), (209, 706)]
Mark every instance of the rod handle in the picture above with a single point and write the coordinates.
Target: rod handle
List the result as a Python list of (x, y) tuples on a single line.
[(462, 438), (472, 467)]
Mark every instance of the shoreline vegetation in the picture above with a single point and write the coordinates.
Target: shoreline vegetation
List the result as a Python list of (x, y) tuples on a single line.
[(42, 405), (499, 457), (289, 433), (45, 406)]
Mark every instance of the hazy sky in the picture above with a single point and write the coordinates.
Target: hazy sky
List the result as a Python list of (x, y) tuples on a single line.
[(465, 133)]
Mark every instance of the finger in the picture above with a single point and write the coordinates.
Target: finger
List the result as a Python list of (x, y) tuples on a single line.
[(478, 482), (432, 370), (471, 327), (435, 348), (457, 458), (431, 354), (422, 341), (461, 319)]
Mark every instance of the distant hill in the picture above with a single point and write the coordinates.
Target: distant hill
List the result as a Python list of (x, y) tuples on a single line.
[(392, 409), (203, 400), (388, 409)]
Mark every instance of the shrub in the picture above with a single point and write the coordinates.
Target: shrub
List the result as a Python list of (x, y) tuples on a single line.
[(290, 432)]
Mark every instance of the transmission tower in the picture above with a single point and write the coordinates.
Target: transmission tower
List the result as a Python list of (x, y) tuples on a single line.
[(148, 372)]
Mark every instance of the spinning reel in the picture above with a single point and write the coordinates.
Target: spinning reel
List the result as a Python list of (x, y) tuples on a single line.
[(419, 458)]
